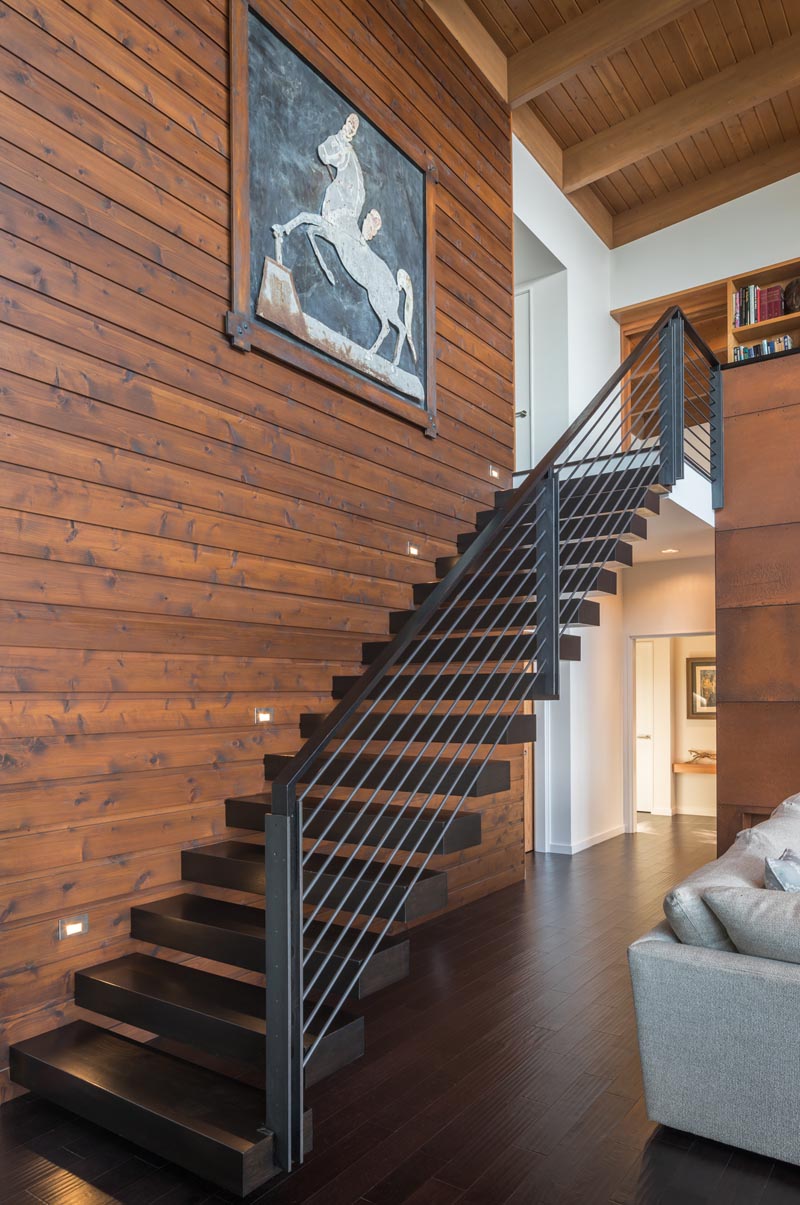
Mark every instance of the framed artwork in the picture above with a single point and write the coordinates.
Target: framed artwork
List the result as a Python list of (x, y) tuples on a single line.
[(333, 228), (701, 688)]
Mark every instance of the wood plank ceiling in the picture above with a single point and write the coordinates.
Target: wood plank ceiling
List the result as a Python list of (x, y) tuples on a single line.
[(658, 109)]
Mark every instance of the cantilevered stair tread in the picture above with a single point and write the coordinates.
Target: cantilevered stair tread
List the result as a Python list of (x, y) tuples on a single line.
[(372, 824), (440, 729), (176, 1109), (354, 884), (221, 1015), (423, 775), (234, 934)]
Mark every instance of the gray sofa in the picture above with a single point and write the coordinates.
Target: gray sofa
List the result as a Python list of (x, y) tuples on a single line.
[(719, 1031)]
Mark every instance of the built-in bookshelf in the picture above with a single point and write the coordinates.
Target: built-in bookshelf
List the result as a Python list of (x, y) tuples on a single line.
[(758, 324)]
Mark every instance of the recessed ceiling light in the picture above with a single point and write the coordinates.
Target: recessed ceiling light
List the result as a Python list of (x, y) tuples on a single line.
[(666, 551)]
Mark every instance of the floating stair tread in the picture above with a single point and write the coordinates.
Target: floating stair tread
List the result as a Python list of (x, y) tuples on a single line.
[(252, 854), (235, 934), (354, 884), (183, 1112), (217, 1013), (443, 729), (464, 685), (419, 776), (449, 832), (172, 983)]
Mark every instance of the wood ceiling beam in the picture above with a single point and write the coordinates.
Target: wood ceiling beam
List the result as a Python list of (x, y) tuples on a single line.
[(740, 86), (754, 172), (594, 35), (465, 27)]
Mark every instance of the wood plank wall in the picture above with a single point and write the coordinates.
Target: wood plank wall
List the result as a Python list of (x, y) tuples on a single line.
[(758, 595), (187, 531)]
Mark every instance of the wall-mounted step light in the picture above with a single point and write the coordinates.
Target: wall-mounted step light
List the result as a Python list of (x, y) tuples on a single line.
[(494, 472), (263, 715), (71, 926), (413, 550)]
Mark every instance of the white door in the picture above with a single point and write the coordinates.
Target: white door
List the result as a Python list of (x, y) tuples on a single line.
[(523, 373), (644, 688)]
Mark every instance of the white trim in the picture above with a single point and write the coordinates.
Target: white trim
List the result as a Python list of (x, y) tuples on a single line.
[(617, 831)]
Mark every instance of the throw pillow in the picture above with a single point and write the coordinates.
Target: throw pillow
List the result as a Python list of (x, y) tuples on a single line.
[(692, 921), (765, 924)]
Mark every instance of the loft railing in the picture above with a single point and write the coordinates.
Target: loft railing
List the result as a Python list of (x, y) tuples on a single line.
[(500, 614)]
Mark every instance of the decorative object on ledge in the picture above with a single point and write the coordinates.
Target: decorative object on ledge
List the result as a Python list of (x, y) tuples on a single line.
[(333, 227), (700, 755), (701, 688), (694, 767)]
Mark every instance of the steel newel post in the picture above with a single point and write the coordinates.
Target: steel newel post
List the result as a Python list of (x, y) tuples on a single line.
[(671, 400), (548, 587), (284, 976), (717, 439)]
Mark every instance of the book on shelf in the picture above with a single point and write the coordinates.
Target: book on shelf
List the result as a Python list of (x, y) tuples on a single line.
[(754, 304), (766, 347)]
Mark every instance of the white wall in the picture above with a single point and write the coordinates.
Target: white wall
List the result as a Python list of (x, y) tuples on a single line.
[(750, 232), (593, 335), (695, 794), (662, 598)]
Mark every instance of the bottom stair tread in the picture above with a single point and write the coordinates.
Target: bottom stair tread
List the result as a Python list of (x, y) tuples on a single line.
[(192, 1116)]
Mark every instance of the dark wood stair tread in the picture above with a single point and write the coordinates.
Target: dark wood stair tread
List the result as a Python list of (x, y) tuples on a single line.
[(448, 833), (464, 649), (419, 776), (183, 1112), (219, 1014), (359, 884), (447, 729), (235, 934)]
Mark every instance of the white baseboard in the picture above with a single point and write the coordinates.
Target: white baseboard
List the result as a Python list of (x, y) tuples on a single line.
[(556, 848)]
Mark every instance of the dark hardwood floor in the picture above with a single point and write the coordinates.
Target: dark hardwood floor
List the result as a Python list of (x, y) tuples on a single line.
[(504, 1070)]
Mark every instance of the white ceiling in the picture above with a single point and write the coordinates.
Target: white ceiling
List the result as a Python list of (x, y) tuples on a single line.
[(677, 528)]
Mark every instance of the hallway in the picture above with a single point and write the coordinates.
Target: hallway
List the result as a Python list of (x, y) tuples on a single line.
[(503, 1070)]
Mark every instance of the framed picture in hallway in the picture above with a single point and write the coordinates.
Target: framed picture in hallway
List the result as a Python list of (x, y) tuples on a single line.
[(333, 222), (701, 688)]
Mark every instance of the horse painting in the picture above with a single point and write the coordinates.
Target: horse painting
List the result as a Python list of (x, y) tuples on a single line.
[(337, 223)]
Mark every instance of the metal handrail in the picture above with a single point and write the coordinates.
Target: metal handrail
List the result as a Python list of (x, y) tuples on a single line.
[(635, 434)]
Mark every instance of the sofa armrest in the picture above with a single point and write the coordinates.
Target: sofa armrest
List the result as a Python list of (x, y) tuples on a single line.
[(718, 1043)]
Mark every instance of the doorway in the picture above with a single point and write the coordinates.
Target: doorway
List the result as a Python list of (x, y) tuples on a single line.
[(674, 731)]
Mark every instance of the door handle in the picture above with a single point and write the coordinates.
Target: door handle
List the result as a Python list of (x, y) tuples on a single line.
[(522, 414), (639, 737)]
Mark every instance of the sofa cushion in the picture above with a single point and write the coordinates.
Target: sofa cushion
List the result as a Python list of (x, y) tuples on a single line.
[(783, 873), (692, 921), (765, 924)]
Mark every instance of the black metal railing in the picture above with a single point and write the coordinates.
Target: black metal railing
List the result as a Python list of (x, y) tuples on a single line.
[(484, 642)]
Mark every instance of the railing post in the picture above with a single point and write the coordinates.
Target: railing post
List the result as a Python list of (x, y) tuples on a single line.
[(548, 586), (284, 975), (717, 441), (671, 401)]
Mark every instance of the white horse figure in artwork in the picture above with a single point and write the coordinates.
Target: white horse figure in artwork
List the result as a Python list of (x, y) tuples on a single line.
[(337, 223)]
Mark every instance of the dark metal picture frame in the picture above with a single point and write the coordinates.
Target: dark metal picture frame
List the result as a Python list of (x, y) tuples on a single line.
[(695, 666), (245, 329)]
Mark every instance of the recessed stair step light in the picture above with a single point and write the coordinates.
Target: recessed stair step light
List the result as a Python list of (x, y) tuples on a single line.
[(668, 551)]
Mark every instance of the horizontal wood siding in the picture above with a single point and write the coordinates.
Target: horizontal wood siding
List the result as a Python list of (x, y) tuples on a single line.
[(187, 531), (758, 595)]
